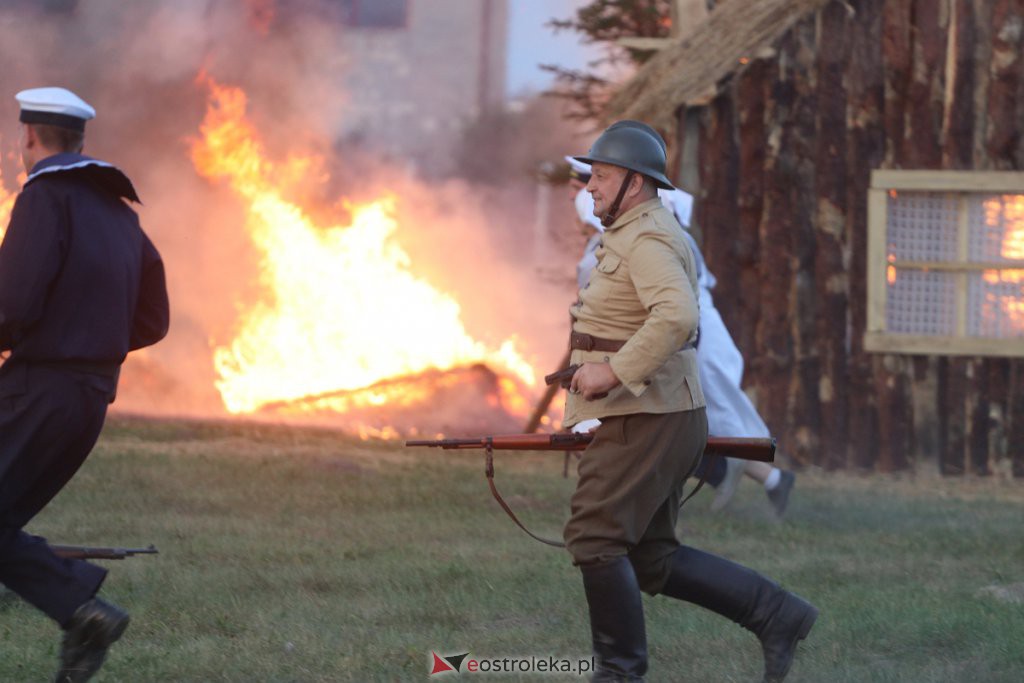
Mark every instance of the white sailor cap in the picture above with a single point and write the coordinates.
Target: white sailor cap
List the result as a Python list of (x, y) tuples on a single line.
[(54, 107), (578, 170)]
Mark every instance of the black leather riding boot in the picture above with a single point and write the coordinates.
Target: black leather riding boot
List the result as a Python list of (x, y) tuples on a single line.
[(777, 617), (616, 621)]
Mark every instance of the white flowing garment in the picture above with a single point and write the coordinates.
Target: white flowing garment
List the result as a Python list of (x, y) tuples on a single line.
[(730, 412)]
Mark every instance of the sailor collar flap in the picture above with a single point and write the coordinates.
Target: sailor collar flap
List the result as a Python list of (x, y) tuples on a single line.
[(635, 213), (107, 176)]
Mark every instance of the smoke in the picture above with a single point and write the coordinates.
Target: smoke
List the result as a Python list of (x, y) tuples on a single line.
[(138, 63)]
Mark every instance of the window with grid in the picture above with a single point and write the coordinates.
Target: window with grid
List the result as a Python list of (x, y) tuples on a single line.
[(946, 263)]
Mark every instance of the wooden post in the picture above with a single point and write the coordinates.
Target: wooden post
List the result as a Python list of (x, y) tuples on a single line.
[(717, 207), (773, 363), (805, 416), (896, 56), (831, 279), (924, 110), (913, 53), (980, 423), (998, 396), (1002, 137), (958, 100), (1015, 418), (751, 93), (895, 412), (866, 148), (952, 386)]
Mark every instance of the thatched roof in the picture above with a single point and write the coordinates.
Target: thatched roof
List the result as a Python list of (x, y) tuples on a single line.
[(734, 33)]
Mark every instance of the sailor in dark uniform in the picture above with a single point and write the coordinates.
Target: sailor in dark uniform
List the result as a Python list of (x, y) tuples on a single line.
[(81, 285)]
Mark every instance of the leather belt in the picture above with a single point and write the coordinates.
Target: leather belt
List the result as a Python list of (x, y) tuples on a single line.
[(588, 342)]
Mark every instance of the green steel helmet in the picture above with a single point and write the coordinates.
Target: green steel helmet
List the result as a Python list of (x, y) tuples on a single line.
[(640, 125), (632, 145)]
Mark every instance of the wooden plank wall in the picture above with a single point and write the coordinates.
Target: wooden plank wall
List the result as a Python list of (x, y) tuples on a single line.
[(785, 156)]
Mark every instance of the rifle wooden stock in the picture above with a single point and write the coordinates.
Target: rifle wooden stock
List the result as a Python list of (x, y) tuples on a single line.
[(81, 552), (743, 448)]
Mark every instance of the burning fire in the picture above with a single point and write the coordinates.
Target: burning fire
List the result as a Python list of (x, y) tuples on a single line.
[(6, 204), (341, 311)]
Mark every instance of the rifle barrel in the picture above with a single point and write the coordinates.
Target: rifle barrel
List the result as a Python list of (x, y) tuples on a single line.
[(761, 449), (450, 443), (81, 552)]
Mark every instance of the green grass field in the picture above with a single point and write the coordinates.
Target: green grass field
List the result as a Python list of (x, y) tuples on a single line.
[(301, 555)]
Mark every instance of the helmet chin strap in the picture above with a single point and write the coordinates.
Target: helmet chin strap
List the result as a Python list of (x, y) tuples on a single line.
[(613, 210)]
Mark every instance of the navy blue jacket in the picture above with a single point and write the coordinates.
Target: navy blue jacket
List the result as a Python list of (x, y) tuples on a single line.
[(79, 279)]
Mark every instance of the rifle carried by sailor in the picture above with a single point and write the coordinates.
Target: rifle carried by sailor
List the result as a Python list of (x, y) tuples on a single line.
[(82, 552), (760, 449)]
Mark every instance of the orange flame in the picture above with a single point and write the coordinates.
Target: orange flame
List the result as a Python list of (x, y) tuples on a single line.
[(341, 310), (1006, 300), (6, 204)]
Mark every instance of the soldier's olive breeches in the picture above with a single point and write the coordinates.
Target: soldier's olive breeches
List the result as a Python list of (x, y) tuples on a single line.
[(630, 485)]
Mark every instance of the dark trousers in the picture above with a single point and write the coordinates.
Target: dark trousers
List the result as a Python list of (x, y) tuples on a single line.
[(49, 422), (630, 485)]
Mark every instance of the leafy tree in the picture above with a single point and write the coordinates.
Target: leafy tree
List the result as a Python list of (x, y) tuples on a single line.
[(606, 21), (515, 142)]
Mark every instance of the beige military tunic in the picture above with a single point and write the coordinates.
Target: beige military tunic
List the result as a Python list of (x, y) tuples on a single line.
[(654, 426), (643, 289)]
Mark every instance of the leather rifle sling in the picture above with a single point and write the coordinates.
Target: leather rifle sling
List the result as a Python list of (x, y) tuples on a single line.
[(703, 478), (489, 470)]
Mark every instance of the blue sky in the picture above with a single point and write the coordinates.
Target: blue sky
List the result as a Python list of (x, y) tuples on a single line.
[(531, 43)]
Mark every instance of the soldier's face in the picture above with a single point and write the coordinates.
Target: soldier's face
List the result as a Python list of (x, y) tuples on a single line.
[(605, 180)]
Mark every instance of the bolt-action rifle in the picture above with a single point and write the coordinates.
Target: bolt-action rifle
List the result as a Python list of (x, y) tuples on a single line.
[(760, 449), (81, 552)]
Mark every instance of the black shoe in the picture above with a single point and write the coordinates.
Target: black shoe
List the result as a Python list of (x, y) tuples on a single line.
[(779, 496), (789, 625), (616, 621), (779, 619), (92, 629)]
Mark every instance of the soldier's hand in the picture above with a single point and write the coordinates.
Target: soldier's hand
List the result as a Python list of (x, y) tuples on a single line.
[(594, 380)]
